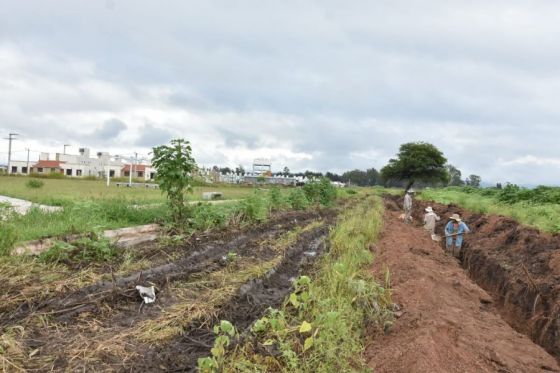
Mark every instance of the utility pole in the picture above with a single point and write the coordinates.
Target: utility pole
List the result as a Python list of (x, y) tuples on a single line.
[(136, 163), (130, 173), (10, 138), (27, 160)]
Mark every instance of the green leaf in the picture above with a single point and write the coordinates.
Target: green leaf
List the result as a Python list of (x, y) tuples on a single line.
[(293, 300), (268, 342), (308, 343), (305, 327)]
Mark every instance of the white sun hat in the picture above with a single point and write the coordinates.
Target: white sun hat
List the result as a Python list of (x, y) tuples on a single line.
[(455, 217), (429, 209)]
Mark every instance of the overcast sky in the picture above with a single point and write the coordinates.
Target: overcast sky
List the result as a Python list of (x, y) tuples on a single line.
[(321, 85)]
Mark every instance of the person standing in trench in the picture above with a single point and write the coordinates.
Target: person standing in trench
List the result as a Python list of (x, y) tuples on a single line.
[(455, 229), (408, 206)]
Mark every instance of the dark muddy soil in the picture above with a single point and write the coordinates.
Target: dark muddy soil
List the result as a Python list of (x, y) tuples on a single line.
[(446, 323), (518, 265), (243, 310), (203, 253), (95, 313)]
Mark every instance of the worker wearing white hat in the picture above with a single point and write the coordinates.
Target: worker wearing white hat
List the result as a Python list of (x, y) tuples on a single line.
[(408, 206), (430, 219), (455, 228)]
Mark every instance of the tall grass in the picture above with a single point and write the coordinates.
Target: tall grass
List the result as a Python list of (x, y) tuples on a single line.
[(545, 216), (320, 328), (79, 217)]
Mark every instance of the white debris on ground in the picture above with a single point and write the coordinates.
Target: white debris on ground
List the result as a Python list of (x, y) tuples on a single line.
[(147, 294), (22, 207)]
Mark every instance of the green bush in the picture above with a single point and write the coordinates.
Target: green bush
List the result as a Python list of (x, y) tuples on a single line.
[(206, 216), (254, 208), (87, 249), (8, 237), (277, 200), (321, 191), (34, 184), (55, 175), (297, 199)]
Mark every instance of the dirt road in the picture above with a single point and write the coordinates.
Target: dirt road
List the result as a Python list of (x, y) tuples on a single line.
[(448, 323)]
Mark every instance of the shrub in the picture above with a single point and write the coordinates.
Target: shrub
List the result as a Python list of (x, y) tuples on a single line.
[(205, 216), (277, 200), (55, 175), (87, 249), (175, 167), (8, 237), (321, 191), (254, 208), (34, 184), (297, 199)]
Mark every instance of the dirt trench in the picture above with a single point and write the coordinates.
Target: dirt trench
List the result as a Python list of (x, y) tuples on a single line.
[(447, 323), (519, 266)]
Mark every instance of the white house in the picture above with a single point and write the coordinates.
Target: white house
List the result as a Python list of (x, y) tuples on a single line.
[(77, 165)]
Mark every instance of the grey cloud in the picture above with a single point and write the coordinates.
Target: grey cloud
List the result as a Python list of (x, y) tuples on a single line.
[(109, 130), (328, 78), (150, 136)]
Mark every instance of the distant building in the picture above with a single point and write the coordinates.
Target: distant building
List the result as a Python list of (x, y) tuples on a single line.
[(139, 171), (20, 167), (262, 166)]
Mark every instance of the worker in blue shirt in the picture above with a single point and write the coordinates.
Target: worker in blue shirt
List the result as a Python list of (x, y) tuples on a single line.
[(455, 228)]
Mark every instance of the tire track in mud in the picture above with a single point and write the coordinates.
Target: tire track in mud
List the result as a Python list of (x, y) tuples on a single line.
[(203, 256), (117, 312), (252, 300)]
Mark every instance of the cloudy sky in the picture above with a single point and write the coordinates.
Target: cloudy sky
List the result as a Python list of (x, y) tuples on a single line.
[(322, 85)]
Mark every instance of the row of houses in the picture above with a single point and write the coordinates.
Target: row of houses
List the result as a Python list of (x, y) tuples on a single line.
[(82, 164)]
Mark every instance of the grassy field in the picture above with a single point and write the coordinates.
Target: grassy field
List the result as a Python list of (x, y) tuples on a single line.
[(58, 192), (532, 212), (89, 206)]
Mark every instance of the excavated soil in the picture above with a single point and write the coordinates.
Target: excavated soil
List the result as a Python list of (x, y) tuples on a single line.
[(519, 266), (447, 323)]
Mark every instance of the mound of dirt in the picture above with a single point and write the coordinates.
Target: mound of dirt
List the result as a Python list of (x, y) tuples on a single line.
[(518, 265)]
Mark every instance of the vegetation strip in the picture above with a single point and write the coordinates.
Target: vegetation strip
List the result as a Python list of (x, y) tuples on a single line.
[(321, 325), (539, 207)]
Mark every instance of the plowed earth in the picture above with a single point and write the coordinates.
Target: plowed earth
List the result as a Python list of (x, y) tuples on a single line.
[(100, 327), (448, 323)]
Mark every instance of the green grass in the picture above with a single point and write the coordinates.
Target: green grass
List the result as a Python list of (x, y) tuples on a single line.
[(78, 217), (321, 326), (57, 192), (545, 216)]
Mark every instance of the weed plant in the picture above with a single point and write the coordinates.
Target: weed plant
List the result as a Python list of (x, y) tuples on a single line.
[(34, 184), (297, 199)]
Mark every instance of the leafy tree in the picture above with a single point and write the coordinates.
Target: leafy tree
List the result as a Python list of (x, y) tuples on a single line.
[(175, 168), (225, 170), (333, 177), (416, 161), (239, 170), (474, 181), (454, 176)]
